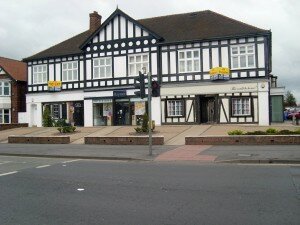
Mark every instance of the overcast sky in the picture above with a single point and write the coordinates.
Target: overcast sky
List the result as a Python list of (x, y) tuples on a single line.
[(30, 26)]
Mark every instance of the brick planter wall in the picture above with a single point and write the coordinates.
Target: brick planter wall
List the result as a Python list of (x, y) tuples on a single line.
[(38, 140), (244, 140), (12, 126), (124, 140)]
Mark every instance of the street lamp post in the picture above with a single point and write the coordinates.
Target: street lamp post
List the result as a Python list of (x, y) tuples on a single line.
[(150, 113)]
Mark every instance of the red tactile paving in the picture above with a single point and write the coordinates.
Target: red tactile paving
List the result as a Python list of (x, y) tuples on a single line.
[(186, 153)]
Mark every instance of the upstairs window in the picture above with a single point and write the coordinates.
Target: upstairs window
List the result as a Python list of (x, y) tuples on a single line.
[(40, 74), (242, 57), (175, 108), (102, 68), (137, 62), (189, 61), (4, 116), (69, 71), (4, 88), (241, 107)]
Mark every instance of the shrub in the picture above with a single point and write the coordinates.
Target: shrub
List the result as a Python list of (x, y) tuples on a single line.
[(285, 132), (297, 131), (60, 123), (66, 129), (145, 125), (271, 131), (257, 132), (236, 132), (47, 120)]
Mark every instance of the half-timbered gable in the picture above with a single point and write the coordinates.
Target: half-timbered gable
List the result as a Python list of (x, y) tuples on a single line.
[(118, 50)]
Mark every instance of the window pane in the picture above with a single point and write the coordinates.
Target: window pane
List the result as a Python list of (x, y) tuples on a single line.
[(96, 62), (250, 49), (70, 75), (75, 75), (39, 69), (189, 65), (1, 90), (181, 55), (69, 66), (181, 66), (64, 66), (102, 62), (108, 71), (108, 61), (234, 50), (96, 72), (196, 54), (35, 69), (189, 54), (235, 62), (243, 61), (6, 91), (40, 78), (250, 60), (138, 58), (102, 72), (131, 70), (74, 65), (131, 59), (242, 50), (6, 118), (145, 58), (138, 67), (65, 75), (196, 65)]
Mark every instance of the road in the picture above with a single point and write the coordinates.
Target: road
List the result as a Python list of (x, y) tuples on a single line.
[(52, 191)]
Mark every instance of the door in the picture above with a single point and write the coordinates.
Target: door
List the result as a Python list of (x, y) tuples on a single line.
[(207, 109), (122, 113), (78, 115)]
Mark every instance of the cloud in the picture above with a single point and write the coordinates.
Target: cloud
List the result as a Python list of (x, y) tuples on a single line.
[(29, 26)]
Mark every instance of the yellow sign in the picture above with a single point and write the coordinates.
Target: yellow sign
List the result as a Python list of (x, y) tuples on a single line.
[(219, 70), (54, 85), (219, 73)]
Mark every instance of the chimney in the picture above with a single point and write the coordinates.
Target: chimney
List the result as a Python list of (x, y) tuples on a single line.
[(95, 21)]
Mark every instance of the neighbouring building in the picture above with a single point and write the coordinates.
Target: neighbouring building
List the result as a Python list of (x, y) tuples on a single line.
[(92, 74), (13, 86)]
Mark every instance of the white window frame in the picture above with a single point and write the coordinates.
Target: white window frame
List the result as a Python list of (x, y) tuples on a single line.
[(104, 67), (2, 116), (2, 86), (137, 65), (69, 68), (43, 73), (241, 106), (239, 55), (173, 109), (185, 60)]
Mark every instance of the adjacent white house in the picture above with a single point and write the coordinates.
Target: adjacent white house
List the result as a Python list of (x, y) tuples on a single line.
[(96, 71)]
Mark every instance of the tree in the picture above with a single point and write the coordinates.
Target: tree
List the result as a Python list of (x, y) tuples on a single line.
[(47, 120), (289, 99)]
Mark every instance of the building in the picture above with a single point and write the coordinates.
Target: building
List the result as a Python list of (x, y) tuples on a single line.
[(92, 74), (13, 86)]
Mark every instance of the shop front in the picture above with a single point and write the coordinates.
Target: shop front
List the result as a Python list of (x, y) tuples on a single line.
[(118, 111)]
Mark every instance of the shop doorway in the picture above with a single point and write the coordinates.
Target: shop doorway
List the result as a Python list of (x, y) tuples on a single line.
[(122, 112), (78, 115), (207, 111)]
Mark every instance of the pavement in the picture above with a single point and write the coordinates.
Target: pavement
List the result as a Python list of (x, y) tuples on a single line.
[(173, 150)]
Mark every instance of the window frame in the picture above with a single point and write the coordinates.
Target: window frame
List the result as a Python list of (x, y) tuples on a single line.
[(137, 63), (36, 73), (69, 69), (2, 87), (246, 54), (2, 115), (102, 66), (242, 98), (185, 60), (167, 113)]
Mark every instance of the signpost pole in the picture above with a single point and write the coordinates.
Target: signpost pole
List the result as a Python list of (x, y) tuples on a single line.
[(149, 113)]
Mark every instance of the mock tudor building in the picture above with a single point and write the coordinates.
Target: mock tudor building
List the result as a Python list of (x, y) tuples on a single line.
[(92, 74), (13, 86)]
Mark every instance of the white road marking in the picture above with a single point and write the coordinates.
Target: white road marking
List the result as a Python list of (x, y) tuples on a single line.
[(80, 189), (9, 173), (4, 162), (43, 166), (75, 160)]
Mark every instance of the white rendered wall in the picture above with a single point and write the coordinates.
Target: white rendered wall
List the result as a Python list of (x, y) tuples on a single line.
[(164, 63), (224, 54), (263, 105), (215, 57), (156, 110), (261, 55), (51, 72), (205, 60), (88, 114), (154, 63), (29, 75), (120, 66)]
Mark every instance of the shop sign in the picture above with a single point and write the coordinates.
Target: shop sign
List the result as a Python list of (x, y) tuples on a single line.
[(219, 73), (54, 85), (105, 100), (119, 93)]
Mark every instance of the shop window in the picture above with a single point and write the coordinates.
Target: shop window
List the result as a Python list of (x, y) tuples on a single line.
[(40, 74), (4, 88), (242, 56), (102, 113), (102, 68), (69, 71), (175, 108), (241, 107), (189, 61), (137, 62), (4, 116)]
